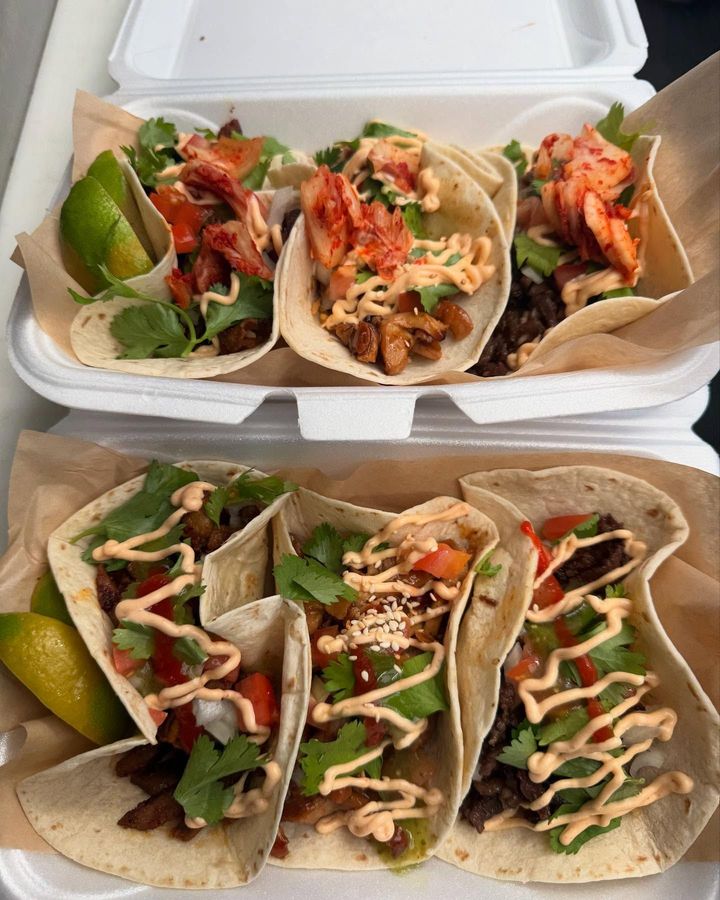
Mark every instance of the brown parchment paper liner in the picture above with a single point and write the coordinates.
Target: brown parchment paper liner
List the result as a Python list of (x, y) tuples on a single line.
[(687, 172), (54, 476)]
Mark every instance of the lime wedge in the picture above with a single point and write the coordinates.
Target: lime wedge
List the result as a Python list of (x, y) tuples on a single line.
[(47, 600), (51, 659)]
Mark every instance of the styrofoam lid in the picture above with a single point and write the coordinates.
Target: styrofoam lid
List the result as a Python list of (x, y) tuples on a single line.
[(326, 44)]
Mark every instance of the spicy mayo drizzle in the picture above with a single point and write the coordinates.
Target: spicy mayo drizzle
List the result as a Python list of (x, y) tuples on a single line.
[(189, 498), (540, 698), (377, 818)]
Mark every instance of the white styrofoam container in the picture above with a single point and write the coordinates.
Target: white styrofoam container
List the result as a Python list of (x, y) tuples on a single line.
[(271, 439), (472, 73)]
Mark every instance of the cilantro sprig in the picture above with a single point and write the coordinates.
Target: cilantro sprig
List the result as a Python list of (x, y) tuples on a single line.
[(201, 791), (306, 579), (515, 153), (544, 260), (246, 488), (610, 127), (485, 567), (316, 757), (157, 139)]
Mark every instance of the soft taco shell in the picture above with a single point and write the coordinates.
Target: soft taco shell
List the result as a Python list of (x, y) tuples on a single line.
[(651, 839), (464, 207), (496, 176), (75, 806), (478, 536), (234, 575)]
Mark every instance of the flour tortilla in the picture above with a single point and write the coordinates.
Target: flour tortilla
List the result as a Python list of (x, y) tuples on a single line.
[(75, 806), (464, 207), (648, 840), (496, 176), (478, 536), (90, 334), (234, 575)]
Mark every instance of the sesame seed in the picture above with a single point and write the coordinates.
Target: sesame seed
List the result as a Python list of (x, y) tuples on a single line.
[(385, 645), (395, 646), (364, 675), (352, 658), (375, 648), (397, 668), (386, 627)]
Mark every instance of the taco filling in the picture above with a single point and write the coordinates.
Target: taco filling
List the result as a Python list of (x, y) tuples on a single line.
[(377, 609), (572, 244), (228, 228), (572, 743), (191, 680), (384, 288)]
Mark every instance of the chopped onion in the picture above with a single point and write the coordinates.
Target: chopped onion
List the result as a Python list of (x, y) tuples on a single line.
[(650, 759), (639, 733), (530, 273), (216, 716), (513, 657), (284, 199)]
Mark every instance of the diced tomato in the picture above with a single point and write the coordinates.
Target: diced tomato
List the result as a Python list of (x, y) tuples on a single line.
[(549, 593), (168, 202), (374, 731), (365, 679), (184, 238), (566, 273), (586, 670), (558, 527), (526, 668), (124, 662), (564, 635), (320, 659), (192, 215), (341, 281), (408, 301), (544, 557), (167, 667), (258, 689), (595, 709), (445, 562), (181, 288), (188, 729), (153, 583), (157, 715)]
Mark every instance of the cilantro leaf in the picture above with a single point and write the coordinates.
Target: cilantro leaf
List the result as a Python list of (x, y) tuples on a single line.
[(585, 529), (626, 196), (537, 185), (255, 301), (326, 547), (543, 260), (263, 490), (152, 330), (584, 836), (339, 678), (615, 590), (305, 579), (316, 757), (412, 214), (189, 651), (200, 791), (138, 639), (430, 294), (518, 751), (611, 128), (207, 133), (564, 727), (328, 157), (156, 137), (383, 129), (271, 147), (514, 152), (613, 654), (364, 276), (215, 503), (146, 510), (486, 568), (354, 543), (422, 699)]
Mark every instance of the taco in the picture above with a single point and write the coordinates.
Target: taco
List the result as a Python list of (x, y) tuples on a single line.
[(597, 735), (226, 204), (593, 245), (190, 541), (378, 776), (130, 808), (398, 269)]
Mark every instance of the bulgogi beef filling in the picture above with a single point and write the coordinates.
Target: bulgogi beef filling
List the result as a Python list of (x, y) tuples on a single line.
[(156, 770), (530, 311), (590, 563), (497, 786), (202, 533)]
